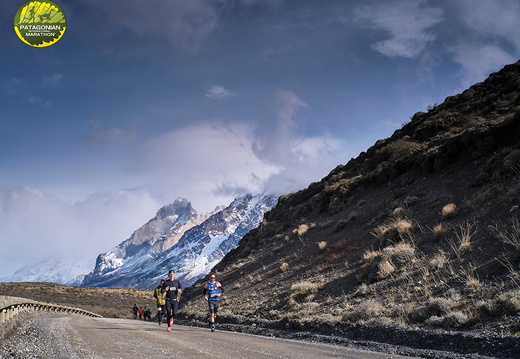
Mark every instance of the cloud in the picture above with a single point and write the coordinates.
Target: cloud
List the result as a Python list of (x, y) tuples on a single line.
[(478, 61), (210, 163), (407, 22), (492, 19), (185, 24), (218, 92), (199, 161), (38, 101), (12, 87), (35, 225), (489, 40), (98, 136), (53, 79)]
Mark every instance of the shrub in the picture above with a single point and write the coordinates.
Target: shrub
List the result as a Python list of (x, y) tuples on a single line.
[(303, 291), (394, 231), (455, 320), (435, 307), (510, 303), (438, 261), (385, 269), (511, 236), (449, 211), (368, 255), (301, 230), (464, 236), (400, 254), (438, 232), (366, 310), (322, 245)]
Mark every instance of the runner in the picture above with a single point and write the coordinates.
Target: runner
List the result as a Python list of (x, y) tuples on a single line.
[(212, 292), (173, 289), (161, 301)]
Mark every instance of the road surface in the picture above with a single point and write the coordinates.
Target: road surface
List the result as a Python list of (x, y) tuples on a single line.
[(66, 336)]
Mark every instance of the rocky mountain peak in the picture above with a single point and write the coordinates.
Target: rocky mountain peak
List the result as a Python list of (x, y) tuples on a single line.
[(180, 207), (178, 238)]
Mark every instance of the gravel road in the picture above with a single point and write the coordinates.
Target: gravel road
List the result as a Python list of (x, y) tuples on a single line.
[(71, 336)]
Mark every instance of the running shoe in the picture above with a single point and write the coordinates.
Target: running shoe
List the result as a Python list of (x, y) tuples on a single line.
[(169, 329)]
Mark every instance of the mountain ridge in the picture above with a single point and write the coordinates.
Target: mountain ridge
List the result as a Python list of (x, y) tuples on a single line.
[(140, 262), (421, 229)]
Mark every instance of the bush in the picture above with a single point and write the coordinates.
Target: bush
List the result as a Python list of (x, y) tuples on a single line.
[(449, 211), (393, 232), (455, 320), (303, 291), (366, 310)]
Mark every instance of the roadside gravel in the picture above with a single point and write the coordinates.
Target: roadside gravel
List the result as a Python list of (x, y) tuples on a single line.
[(413, 342), (33, 336)]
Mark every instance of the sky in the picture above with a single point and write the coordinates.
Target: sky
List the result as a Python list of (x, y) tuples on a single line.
[(141, 102)]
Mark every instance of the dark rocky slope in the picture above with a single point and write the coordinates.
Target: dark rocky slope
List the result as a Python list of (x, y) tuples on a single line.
[(420, 232)]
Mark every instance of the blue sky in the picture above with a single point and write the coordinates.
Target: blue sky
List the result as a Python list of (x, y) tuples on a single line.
[(142, 102)]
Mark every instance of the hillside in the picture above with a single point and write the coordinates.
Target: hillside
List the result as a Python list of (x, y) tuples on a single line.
[(115, 302), (421, 230)]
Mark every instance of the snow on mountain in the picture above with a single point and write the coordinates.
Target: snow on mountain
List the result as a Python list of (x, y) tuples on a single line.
[(192, 245), (157, 235), (64, 270)]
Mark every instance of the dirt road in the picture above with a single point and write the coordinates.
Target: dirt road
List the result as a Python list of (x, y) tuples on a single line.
[(80, 337)]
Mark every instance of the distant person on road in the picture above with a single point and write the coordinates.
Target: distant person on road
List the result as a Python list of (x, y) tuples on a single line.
[(135, 309), (147, 313), (212, 292), (173, 289), (140, 311), (161, 301)]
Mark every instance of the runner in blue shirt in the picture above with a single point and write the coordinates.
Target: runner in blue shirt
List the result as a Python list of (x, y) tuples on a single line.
[(212, 292)]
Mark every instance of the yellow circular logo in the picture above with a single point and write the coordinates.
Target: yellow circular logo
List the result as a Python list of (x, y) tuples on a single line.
[(40, 23)]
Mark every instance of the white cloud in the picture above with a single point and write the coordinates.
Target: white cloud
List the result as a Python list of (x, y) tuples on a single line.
[(478, 61), (492, 19), (218, 92), (407, 22), (211, 163), (35, 225), (195, 162), (489, 40)]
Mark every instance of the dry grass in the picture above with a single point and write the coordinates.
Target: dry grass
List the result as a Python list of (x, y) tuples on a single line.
[(449, 211), (301, 230), (439, 231), (322, 245), (284, 267), (303, 292), (509, 235), (394, 231), (108, 302)]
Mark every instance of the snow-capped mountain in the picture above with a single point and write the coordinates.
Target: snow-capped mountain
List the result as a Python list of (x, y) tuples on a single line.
[(64, 270), (177, 238)]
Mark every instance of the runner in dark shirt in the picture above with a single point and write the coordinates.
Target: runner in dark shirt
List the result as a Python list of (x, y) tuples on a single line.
[(173, 289)]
